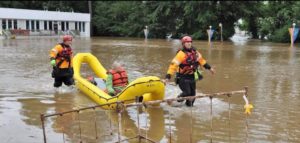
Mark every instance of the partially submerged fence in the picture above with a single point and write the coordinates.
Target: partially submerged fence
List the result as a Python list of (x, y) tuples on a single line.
[(121, 107)]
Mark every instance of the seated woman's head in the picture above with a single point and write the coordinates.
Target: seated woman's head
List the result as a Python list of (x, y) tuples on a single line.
[(117, 66), (90, 78)]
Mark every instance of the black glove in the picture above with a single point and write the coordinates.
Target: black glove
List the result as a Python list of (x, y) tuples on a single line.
[(168, 76), (207, 66)]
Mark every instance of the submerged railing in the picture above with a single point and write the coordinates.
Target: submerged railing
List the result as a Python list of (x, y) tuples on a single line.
[(122, 107)]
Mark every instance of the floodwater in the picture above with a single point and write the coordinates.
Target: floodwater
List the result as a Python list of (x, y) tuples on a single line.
[(270, 70)]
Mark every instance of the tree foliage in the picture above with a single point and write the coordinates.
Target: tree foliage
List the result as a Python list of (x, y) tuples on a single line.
[(176, 17), (275, 19), (128, 18)]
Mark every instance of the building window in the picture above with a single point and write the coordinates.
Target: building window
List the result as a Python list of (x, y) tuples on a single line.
[(32, 25), (9, 24), (55, 26), (3, 23), (63, 26), (45, 25), (83, 26), (27, 24), (15, 24), (75, 25), (37, 25), (50, 25), (67, 25), (79, 26)]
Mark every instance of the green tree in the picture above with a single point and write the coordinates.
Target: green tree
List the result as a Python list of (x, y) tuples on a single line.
[(277, 18), (128, 18)]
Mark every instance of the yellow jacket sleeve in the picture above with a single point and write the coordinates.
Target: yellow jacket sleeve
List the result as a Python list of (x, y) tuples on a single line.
[(201, 60), (54, 51), (177, 60)]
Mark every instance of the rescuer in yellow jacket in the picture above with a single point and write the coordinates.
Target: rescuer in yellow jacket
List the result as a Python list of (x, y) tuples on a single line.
[(186, 64), (61, 59)]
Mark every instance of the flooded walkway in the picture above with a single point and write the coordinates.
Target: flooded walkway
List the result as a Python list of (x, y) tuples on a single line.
[(270, 70)]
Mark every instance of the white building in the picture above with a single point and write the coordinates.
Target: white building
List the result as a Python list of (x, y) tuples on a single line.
[(38, 22)]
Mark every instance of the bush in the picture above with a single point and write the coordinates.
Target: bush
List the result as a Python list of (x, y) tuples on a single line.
[(281, 35)]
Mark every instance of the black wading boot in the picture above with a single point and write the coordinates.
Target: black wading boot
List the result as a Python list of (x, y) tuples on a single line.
[(190, 102), (180, 100)]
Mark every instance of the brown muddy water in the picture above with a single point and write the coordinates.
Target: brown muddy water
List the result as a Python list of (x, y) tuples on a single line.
[(270, 70)]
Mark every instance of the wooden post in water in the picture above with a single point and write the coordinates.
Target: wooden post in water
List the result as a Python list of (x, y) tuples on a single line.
[(146, 32), (43, 127), (209, 35), (221, 31)]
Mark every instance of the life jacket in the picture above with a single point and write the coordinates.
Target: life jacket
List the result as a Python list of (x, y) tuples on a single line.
[(64, 55), (190, 64), (119, 78)]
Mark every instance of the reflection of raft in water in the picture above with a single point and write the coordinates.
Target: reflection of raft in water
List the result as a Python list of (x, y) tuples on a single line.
[(151, 87), (153, 130)]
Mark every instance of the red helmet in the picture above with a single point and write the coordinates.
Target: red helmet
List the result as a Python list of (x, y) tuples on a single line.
[(186, 39), (67, 38)]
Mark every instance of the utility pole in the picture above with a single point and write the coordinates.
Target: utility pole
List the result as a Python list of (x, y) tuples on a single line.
[(90, 11)]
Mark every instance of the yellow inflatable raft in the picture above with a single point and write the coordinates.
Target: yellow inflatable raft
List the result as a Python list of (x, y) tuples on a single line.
[(150, 87)]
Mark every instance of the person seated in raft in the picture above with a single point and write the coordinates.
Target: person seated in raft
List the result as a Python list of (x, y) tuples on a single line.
[(99, 82), (92, 80), (117, 79)]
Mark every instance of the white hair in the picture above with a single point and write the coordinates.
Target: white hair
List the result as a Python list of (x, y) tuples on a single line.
[(116, 65)]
